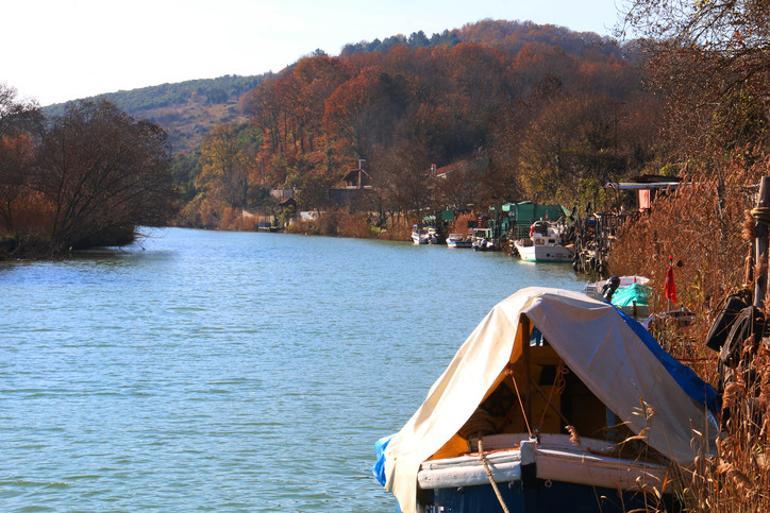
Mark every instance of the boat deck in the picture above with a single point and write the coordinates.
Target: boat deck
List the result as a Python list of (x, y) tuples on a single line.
[(554, 458)]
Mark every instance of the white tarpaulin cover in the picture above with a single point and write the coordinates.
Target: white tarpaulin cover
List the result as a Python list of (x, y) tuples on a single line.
[(616, 359)]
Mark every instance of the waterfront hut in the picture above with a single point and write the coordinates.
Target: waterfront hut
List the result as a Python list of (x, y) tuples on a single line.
[(646, 188), (518, 217), (555, 402)]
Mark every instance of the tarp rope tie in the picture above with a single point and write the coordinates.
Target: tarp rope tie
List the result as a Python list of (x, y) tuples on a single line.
[(509, 372), (491, 478)]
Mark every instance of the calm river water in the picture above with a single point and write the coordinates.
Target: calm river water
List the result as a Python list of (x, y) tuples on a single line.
[(215, 371)]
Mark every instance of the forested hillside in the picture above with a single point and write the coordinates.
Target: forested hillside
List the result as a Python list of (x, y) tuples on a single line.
[(509, 36), (555, 113), (552, 113), (186, 110)]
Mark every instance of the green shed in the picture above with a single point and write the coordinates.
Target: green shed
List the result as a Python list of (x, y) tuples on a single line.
[(519, 216)]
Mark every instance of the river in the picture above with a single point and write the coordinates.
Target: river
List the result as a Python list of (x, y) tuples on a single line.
[(228, 371)]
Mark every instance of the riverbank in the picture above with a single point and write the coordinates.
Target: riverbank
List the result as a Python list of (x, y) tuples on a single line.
[(710, 226), (359, 225), (330, 222), (40, 247)]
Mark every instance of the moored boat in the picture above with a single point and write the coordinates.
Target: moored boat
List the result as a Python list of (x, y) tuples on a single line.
[(458, 240), (556, 402), (544, 244), (424, 234), (482, 239), (629, 293)]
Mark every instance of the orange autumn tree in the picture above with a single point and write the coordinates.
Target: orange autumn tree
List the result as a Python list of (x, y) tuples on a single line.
[(478, 91)]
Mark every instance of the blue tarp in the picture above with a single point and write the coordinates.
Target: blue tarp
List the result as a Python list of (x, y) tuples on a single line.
[(700, 391), (378, 469)]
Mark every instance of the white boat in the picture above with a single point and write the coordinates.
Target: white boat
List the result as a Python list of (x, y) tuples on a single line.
[(458, 240), (544, 244), (555, 402), (482, 239), (552, 457), (424, 234)]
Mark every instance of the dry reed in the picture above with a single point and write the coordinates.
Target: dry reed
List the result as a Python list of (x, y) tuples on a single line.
[(704, 225)]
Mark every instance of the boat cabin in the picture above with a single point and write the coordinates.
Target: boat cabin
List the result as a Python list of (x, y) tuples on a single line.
[(482, 233), (536, 393)]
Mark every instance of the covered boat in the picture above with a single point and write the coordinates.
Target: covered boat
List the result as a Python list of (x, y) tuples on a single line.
[(629, 293), (555, 402)]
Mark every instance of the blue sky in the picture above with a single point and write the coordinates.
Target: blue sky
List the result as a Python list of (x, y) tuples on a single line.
[(60, 50)]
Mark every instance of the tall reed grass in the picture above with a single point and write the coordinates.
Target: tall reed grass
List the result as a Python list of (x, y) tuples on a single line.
[(704, 224)]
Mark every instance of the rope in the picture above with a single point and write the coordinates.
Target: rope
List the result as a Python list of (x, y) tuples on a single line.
[(549, 405), (558, 384), (509, 372), (491, 478)]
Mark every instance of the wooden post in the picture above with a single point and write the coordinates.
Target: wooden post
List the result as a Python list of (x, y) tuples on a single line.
[(761, 214)]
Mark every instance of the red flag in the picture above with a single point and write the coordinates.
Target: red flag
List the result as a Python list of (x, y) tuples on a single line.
[(669, 287)]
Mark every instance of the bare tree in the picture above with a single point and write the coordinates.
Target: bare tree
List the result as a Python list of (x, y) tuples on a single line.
[(104, 173), (403, 174), (712, 60)]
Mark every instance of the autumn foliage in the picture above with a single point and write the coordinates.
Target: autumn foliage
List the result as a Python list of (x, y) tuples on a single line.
[(547, 108)]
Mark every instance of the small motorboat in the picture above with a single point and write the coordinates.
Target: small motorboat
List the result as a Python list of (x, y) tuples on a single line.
[(458, 240), (483, 240), (629, 293), (424, 234), (555, 402)]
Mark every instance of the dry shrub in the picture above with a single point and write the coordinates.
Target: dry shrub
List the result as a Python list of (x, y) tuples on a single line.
[(32, 215), (461, 222), (737, 479), (303, 227), (702, 224), (236, 219), (398, 227), (326, 224), (353, 225), (228, 219)]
